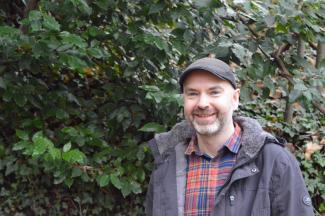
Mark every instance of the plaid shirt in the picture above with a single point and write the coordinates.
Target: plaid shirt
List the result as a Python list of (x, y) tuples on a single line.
[(206, 175)]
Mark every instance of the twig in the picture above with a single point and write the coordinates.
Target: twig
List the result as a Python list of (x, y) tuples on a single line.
[(31, 5), (313, 45), (319, 106), (256, 38), (285, 73)]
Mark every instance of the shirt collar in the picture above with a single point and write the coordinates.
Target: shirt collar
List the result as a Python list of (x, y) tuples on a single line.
[(232, 144)]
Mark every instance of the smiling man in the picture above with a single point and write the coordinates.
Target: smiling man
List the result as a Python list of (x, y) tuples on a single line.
[(215, 164)]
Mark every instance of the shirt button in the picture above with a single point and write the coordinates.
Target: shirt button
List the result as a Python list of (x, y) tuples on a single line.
[(254, 170), (232, 198)]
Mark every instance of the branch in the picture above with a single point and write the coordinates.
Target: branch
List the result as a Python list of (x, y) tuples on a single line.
[(282, 48), (301, 47), (288, 114), (320, 56), (320, 53), (319, 106), (313, 45), (285, 73), (256, 38), (18, 9), (31, 5)]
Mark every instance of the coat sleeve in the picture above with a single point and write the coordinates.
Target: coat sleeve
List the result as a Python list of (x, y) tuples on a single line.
[(291, 197), (149, 198)]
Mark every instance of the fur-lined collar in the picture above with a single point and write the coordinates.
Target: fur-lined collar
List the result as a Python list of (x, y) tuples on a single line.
[(252, 140)]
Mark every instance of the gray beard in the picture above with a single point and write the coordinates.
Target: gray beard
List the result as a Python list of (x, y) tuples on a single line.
[(209, 129)]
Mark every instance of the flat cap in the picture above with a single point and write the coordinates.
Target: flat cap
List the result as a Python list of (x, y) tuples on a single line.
[(212, 65)]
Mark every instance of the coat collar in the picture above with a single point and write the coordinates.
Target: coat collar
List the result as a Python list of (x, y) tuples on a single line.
[(253, 137)]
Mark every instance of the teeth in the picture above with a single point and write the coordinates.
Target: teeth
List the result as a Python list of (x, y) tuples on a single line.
[(205, 115)]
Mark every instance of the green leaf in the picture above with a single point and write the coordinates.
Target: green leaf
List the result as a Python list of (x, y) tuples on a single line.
[(76, 172), (34, 20), (2, 151), (71, 131), (20, 100), (103, 4), (20, 145), (75, 63), (8, 31), (141, 175), (103, 180), (50, 23), (54, 152), (156, 8), (152, 127), (2, 83), (11, 168), (68, 182), (74, 156), (161, 44), (95, 52), (280, 28), (35, 15), (135, 187), (41, 144), (116, 181), (37, 135), (140, 154), (59, 179), (202, 3), (188, 36), (67, 147), (298, 90), (241, 53), (61, 114), (269, 20), (150, 88), (39, 148), (83, 6), (23, 135), (72, 39), (126, 189)]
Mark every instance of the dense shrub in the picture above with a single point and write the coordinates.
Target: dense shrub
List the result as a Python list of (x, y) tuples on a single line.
[(84, 85)]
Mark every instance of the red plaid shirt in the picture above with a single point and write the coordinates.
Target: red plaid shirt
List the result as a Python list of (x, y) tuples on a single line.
[(206, 175)]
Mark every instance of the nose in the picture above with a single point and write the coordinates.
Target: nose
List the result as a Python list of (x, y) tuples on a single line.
[(203, 102)]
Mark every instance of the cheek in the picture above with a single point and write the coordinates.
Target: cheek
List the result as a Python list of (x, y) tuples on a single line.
[(188, 107), (223, 105)]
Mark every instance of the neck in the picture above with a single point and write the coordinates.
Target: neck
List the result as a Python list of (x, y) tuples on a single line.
[(211, 144)]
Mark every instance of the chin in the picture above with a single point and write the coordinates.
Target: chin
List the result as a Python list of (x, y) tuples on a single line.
[(207, 129)]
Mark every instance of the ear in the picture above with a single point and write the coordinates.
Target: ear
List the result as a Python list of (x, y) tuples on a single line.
[(235, 98)]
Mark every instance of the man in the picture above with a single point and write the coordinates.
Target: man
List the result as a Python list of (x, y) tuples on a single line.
[(214, 164)]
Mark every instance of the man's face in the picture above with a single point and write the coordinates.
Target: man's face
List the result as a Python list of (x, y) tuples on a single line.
[(209, 102)]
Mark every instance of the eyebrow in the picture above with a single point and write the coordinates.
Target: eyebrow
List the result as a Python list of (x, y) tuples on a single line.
[(217, 87)]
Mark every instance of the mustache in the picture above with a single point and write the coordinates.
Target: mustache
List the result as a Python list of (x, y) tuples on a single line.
[(203, 112)]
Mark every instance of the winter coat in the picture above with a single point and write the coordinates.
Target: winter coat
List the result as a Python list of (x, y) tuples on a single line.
[(266, 179)]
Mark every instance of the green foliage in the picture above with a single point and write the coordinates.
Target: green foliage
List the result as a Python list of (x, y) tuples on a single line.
[(84, 84)]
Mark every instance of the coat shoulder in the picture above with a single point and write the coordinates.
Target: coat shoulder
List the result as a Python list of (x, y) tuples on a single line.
[(280, 154)]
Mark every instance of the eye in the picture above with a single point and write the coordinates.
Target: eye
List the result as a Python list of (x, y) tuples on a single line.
[(215, 93), (191, 94)]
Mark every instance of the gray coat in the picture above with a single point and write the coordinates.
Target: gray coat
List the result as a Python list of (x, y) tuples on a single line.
[(266, 179)]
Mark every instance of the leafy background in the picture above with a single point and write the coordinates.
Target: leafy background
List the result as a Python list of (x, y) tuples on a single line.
[(84, 85)]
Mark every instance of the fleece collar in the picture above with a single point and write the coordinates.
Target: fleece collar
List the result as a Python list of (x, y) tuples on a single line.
[(252, 140)]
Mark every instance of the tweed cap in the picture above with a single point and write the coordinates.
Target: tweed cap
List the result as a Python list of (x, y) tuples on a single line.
[(212, 65)]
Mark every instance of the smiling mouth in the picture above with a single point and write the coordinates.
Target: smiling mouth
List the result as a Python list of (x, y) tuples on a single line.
[(203, 115)]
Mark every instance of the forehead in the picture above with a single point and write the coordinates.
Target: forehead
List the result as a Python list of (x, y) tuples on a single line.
[(204, 79)]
